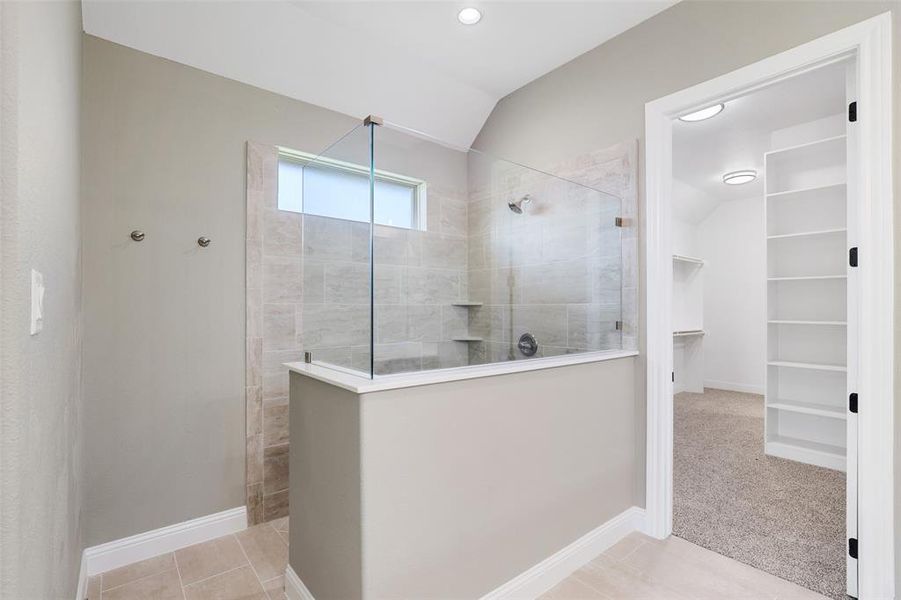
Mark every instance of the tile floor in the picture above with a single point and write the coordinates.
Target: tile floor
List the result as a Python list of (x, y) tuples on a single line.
[(639, 567), (248, 565)]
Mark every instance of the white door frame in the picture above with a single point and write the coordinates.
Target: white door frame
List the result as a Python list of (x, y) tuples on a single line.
[(870, 42)]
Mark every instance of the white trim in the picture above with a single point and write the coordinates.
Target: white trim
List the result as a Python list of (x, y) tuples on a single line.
[(81, 592), (360, 383), (118, 553), (870, 43), (732, 386), (562, 564), (295, 588)]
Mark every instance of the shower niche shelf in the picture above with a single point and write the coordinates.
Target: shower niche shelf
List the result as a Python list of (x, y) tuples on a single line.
[(467, 338), (467, 304)]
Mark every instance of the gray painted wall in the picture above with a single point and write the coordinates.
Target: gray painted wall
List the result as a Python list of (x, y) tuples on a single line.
[(164, 151), (598, 99), (41, 484), (451, 490)]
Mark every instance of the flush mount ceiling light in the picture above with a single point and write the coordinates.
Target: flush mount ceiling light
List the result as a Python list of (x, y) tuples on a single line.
[(704, 113), (740, 177), (469, 16)]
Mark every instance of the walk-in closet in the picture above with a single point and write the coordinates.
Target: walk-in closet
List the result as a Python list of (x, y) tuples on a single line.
[(763, 305)]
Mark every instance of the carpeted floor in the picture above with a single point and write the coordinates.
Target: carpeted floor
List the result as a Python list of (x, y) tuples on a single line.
[(781, 516)]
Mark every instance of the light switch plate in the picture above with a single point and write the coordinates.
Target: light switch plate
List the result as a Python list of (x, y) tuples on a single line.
[(37, 302)]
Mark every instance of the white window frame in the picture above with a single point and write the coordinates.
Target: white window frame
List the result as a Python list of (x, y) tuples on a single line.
[(419, 187)]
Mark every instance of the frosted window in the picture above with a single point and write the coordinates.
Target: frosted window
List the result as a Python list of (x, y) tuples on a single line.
[(344, 194)]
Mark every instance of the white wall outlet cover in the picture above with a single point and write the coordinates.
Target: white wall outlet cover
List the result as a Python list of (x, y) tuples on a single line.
[(37, 302)]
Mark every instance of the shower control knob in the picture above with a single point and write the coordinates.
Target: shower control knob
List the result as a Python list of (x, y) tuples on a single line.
[(528, 345)]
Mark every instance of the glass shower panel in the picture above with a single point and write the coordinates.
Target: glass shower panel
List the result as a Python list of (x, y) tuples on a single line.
[(545, 264), (334, 188), (499, 262), (419, 258)]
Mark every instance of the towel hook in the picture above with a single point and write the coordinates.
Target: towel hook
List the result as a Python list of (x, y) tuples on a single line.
[(137, 235), (203, 242)]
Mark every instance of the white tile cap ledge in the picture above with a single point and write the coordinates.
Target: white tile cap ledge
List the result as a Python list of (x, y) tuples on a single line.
[(359, 383)]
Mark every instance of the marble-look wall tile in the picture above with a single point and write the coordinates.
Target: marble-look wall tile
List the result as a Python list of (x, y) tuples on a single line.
[(255, 511), (546, 322), (282, 233), (275, 385), (432, 286), (402, 357), (275, 469), (565, 283), (278, 326), (313, 282), (254, 362), (253, 411), (275, 506), (453, 216), (391, 323), (424, 323), (593, 327), (490, 322), (275, 423), (444, 252), (327, 239), (335, 325), (253, 458), (454, 322), (282, 280)]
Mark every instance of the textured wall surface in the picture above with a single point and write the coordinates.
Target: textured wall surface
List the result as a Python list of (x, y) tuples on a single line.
[(165, 152), (41, 485)]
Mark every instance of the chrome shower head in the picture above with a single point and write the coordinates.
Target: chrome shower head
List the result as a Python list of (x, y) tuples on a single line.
[(516, 205)]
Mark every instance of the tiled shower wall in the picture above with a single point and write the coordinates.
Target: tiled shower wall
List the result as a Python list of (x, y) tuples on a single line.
[(308, 290), (562, 271), (557, 276)]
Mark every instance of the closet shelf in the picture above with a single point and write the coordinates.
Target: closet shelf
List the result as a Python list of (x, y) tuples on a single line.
[(809, 408), (774, 443), (689, 332), (798, 322), (807, 278), (805, 146), (806, 190), (805, 365), (688, 259), (783, 236)]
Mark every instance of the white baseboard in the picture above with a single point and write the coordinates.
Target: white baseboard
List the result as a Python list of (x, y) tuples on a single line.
[(118, 553), (734, 387), (564, 563), (545, 574), (294, 587)]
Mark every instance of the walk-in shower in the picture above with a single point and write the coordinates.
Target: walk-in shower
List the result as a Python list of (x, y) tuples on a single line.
[(418, 256)]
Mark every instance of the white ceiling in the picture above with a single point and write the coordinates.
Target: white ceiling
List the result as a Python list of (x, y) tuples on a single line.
[(739, 136), (410, 62)]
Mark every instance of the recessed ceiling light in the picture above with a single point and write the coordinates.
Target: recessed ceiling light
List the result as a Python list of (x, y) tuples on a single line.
[(704, 113), (740, 177), (469, 16)]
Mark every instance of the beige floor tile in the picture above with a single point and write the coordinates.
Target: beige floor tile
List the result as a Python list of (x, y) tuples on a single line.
[(622, 582), (266, 550), (162, 586), (237, 584), (209, 558), (275, 588), (137, 570), (626, 546), (663, 565), (94, 588), (280, 524), (573, 589)]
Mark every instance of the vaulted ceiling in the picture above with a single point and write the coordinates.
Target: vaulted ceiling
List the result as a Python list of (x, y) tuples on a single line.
[(410, 62)]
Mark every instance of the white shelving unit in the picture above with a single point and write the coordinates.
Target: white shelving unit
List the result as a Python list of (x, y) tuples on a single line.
[(688, 324), (807, 302)]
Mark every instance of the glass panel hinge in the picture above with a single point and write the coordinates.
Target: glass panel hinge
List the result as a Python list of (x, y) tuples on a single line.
[(620, 221)]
